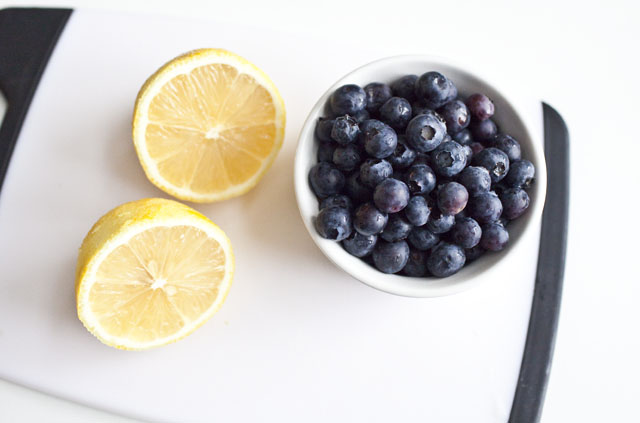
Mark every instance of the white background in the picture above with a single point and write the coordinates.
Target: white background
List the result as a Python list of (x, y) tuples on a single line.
[(581, 57)]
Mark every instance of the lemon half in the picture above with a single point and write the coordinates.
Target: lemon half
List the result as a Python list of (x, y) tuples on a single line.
[(150, 272), (208, 125)]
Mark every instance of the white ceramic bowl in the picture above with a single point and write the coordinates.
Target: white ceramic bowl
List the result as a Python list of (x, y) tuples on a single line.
[(510, 120)]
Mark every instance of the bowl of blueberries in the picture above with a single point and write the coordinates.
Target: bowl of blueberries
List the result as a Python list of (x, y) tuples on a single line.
[(418, 177)]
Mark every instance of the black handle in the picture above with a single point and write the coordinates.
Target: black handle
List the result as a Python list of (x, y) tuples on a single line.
[(27, 38)]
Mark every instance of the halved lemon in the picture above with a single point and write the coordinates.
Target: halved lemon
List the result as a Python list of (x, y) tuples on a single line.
[(208, 125), (150, 272)]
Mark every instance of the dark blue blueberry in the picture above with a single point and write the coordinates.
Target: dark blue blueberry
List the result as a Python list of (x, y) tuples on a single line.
[(390, 257), (480, 106), (404, 87), (476, 147), (374, 171), (468, 154), (356, 190), (368, 220), (473, 253), (521, 174), (422, 238), (377, 93), (452, 198), (345, 130), (455, 115), (448, 159), (338, 200), (445, 260), (483, 130), (323, 129), (439, 223), (466, 232), (495, 161), (397, 228), (396, 112), (420, 179), (485, 207), (515, 202), (416, 265), (380, 140), (346, 158), (417, 211), (361, 116), (325, 151), (360, 245), (403, 155), (326, 179), (391, 195), (508, 144), (334, 223), (419, 108), (463, 137), (494, 237), (425, 132), (348, 99), (434, 89), (475, 179)]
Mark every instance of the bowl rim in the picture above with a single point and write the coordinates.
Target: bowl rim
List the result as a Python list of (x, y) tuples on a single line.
[(387, 282)]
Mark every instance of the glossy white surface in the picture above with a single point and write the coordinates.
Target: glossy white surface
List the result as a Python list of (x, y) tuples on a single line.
[(296, 333), (517, 117)]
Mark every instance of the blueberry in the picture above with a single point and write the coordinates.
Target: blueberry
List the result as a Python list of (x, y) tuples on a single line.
[(495, 161), (476, 147), (379, 139), (416, 265), (338, 200), (361, 116), (445, 260), (325, 151), (356, 190), (439, 223), (455, 115), (377, 93), (422, 238), (475, 179), (391, 195), (403, 155), (494, 237), (466, 232), (345, 130), (473, 253), (434, 89), (390, 257), (348, 99), (334, 223), (404, 87), (515, 202), (480, 106), (420, 179), (417, 210), (395, 112), (485, 207), (508, 145), (360, 245), (347, 158), (483, 130), (425, 132), (521, 174), (374, 171), (326, 179), (323, 129), (397, 228), (463, 137), (468, 153), (368, 220), (419, 108), (448, 159), (452, 198)]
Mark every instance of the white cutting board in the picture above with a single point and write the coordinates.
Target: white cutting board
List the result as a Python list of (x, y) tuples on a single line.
[(297, 339)]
